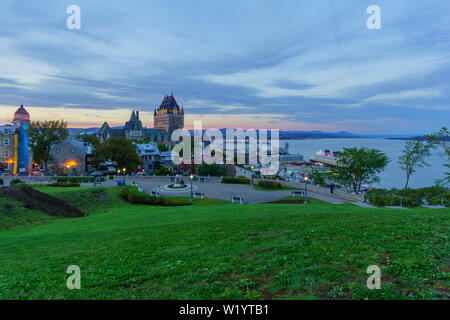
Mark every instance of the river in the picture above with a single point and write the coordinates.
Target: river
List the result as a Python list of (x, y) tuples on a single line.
[(393, 176)]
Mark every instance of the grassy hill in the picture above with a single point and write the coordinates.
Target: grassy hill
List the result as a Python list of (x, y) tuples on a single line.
[(216, 250)]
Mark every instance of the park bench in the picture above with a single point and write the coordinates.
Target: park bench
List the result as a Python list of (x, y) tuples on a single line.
[(155, 193), (200, 179), (200, 195), (237, 200), (298, 193), (171, 179)]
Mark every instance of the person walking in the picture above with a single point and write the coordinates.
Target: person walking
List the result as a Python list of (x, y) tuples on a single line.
[(332, 187)]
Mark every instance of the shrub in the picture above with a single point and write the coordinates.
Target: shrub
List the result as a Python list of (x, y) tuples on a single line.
[(163, 171), (1, 182), (15, 181), (235, 180), (269, 184), (111, 177)]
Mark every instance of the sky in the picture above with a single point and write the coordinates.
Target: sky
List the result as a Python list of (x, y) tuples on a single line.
[(288, 65)]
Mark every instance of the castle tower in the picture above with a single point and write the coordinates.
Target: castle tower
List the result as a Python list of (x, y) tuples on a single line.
[(169, 116)]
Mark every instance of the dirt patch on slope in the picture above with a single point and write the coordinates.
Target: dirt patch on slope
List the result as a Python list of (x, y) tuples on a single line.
[(36, 200)]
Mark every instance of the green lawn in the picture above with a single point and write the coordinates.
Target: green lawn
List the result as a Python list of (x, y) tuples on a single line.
[(225, 251)]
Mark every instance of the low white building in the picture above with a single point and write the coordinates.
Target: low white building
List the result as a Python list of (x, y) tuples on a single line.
[(150, 155)]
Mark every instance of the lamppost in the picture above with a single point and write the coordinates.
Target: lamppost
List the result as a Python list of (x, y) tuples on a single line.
[(252, 173), (192, 192), (306, 189), (68, 173), (124, 170)]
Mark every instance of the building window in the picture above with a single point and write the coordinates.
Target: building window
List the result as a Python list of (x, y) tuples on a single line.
[(6, 142), (6, 153)]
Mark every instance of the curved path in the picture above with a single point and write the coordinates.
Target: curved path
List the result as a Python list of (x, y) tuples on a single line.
[(217, 190)]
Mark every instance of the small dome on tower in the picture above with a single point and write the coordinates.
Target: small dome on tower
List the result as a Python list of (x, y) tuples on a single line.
[(21, 114)]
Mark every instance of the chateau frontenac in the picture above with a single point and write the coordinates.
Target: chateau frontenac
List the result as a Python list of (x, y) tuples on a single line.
[(167, 118)]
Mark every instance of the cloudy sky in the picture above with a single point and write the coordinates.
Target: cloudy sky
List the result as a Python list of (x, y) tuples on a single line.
[(292, 65)]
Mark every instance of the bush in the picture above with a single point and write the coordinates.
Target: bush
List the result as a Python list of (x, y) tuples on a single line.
[(15, 181), (235, 180), (269, 184), (111, 177), (163, 171), (1, 182)]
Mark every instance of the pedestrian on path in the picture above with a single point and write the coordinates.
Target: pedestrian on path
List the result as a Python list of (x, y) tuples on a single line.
[(332, 187)]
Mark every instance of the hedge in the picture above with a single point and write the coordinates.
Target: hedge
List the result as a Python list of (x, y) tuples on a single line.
[(269, 184), (408, 197), (143, 198), (235, 180), (77, 179), (14, 182)]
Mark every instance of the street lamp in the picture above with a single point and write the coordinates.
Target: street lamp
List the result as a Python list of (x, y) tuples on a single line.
[(68, 173), (124, 178), (306, 189), (192, 192), (251, 168)]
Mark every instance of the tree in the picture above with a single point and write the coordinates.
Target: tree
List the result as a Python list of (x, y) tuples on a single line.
[(44, 135), (359, 165), (89, 138), (441, 139), (213, 170), (120, 151), (162, 147), (414, 155)]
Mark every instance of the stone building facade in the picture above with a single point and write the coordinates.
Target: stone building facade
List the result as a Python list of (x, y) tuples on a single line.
[(7, 148), (169, 116), (73, 153)]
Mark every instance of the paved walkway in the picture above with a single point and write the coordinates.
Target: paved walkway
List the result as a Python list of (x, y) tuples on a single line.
[(362, 204), (223, 191)]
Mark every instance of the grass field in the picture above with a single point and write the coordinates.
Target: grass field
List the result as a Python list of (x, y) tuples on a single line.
[(216, 250)]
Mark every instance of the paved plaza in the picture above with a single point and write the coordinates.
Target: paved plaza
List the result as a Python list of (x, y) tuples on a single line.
[(223, 191)]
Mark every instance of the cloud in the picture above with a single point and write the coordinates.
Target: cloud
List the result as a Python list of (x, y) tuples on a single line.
[(293, 63)]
